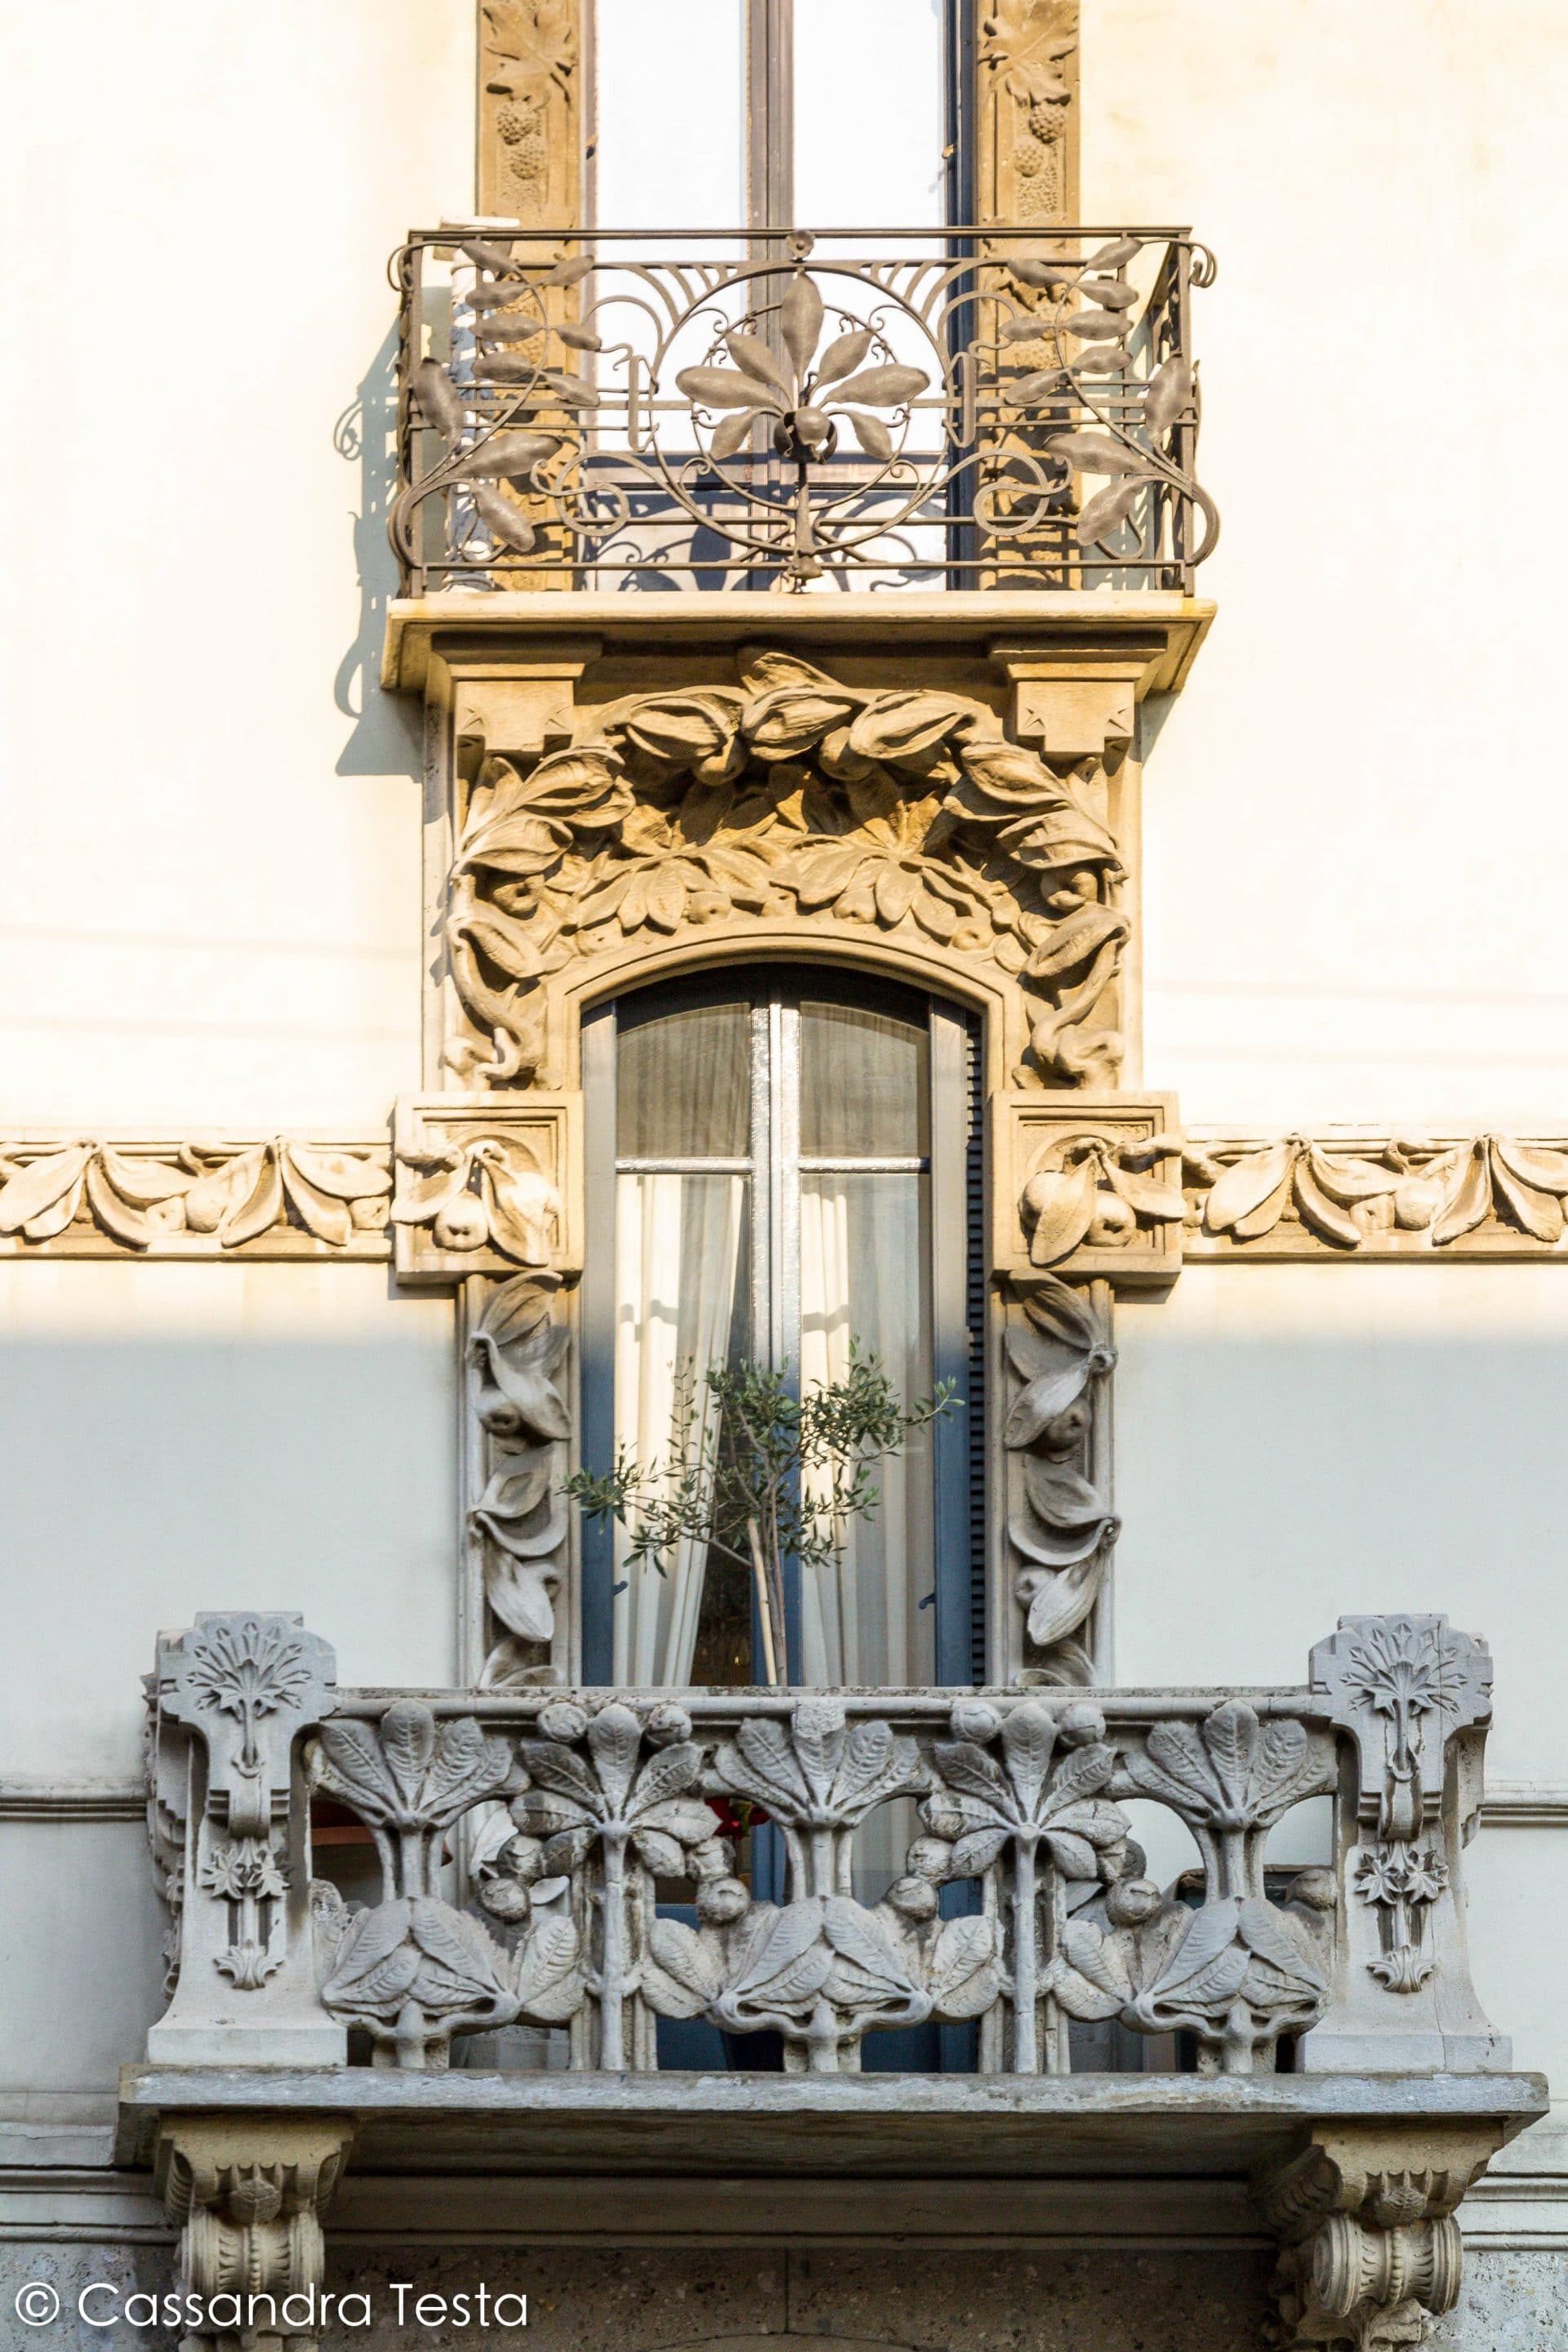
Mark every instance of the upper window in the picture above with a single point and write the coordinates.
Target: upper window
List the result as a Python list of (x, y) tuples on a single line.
[(781, 1168), (872, 146)]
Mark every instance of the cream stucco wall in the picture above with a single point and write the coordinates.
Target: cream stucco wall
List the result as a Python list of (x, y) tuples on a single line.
[(209, 898)]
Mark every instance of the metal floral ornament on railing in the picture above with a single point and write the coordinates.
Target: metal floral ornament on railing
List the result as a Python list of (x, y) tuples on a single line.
[(589, 412)]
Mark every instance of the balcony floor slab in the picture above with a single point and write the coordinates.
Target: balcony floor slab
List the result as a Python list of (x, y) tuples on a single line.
[(844, 2158)]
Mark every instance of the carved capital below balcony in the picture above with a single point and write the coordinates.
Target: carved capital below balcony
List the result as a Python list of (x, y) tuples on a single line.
[(1371, 2254), (486, 1184), (247, 2195)]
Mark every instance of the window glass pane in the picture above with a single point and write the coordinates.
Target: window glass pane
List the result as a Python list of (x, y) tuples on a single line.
[(863, 1242), (671, 81), (681, 1289), (863, 1081), (683, 1085), (869, 116)]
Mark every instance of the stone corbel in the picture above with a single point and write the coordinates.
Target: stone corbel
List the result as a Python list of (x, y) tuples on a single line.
[(517, 706), (487, 1184), (1078, 703), (246, 2198), (1087, 1186), (1416, 1696), (236, 1692), (1370, 2251)]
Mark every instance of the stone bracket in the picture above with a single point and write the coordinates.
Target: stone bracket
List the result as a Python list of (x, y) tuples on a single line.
[(1370, 2250), (247, 2195), (1086, 1186), (487, 1183)]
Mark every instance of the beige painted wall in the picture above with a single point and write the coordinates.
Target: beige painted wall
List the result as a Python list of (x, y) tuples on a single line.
[(1356, 827), (209, 905)]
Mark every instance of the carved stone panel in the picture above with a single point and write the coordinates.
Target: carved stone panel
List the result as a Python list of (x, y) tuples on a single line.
[(878, 813), (530, 111), (1026, 76), (486, 1184), (247, 1684), (1086, 1185), (1415, 1696)]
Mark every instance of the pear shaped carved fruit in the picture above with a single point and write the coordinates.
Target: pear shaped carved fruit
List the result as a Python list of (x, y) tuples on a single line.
[(1416, 1202), (462, 1224), (1113, 1221)]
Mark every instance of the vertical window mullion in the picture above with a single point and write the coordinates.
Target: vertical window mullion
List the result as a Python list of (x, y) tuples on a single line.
[(770, 113)]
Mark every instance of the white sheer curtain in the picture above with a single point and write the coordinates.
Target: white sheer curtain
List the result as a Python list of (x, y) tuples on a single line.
[(678, 1246), (861, 1247)]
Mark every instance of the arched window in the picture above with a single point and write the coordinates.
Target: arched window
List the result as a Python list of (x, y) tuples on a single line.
[(781, 1163)]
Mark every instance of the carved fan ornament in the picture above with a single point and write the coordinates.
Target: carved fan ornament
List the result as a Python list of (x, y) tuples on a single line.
[(906, 814)]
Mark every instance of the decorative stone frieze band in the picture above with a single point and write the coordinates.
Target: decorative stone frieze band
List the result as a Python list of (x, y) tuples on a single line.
[(193, 1196), (1367, 1195)]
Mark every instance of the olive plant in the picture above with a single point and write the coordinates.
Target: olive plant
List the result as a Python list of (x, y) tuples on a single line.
[(763, 1474)]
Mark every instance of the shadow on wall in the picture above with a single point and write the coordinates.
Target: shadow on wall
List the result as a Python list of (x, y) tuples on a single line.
[(385, 740)]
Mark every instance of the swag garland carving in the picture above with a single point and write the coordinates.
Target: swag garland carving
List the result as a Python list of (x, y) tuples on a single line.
[(906, 812), (192, 1196)]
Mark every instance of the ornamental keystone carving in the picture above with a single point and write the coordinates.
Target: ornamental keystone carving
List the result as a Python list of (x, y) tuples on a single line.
[(486, 1185), (860, 814), (1086, 1190)]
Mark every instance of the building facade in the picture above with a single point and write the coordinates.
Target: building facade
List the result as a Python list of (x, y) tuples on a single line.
[(680, 806)]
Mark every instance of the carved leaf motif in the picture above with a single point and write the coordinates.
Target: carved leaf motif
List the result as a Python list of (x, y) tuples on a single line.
[(1061, 1203), (1468, 1200), (1060, 1598), (549, 1980), (517, 1591), (684, 1979), (1242, 1194), (29, 1196), (901, 726), (1088, 1977), (964, 1976), (1537, 1212), (1547, 1172), (1318, 1211)]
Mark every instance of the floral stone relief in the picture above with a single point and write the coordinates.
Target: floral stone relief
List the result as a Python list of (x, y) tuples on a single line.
[(903, 814)]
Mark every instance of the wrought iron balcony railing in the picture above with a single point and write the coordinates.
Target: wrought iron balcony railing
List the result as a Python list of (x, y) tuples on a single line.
[(699, 409), (593, 1863)]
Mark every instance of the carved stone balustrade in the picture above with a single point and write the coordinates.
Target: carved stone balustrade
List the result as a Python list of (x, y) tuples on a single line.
[(571, 1863)]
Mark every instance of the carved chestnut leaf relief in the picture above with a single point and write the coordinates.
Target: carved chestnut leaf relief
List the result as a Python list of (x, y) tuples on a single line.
[(792, 795), (1060, 1525), (185, 1197)]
